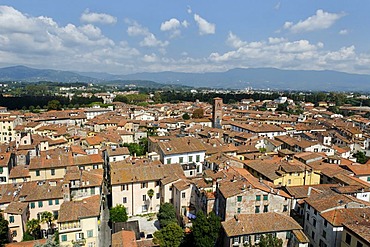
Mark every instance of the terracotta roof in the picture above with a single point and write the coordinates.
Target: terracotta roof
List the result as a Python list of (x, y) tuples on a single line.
[(94, 140), (350, 180), (16, 208), (41, 190), (51, 160), (19, 171), (76, 149), (4, 159), (273, 168), (260, 128), (118, 151), (329, 199), (124, 239), (243, 224), (147, 172), (181, 185), (88, 159), (7, 193), (338, 217), (91, 178), (329, 170), (361, 229), (358, 169), (75, 210), (181, 145), (303, 190), (30, 243)]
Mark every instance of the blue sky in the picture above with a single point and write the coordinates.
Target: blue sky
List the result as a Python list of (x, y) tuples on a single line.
[(122, 37)]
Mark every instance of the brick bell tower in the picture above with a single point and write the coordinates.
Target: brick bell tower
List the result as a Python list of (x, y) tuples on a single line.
[(217, 113)]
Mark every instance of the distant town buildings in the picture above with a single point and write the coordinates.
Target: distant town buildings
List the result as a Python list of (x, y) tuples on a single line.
[(294, 170)]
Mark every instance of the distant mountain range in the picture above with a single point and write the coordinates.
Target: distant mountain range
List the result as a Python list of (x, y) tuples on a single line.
[(258, 78)]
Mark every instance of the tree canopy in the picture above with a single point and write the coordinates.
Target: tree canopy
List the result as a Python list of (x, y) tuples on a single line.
[(186, 116), (166, 214), (169, 236), (206, 230), (131, 98), (4, 230), (138, 148), (270, 241), (360, 157), (118, 214), (33, 228), (54, 105)]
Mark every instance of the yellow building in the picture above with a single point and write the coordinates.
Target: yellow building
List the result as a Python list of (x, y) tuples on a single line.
[(283, 172), (356, 234), (79, 222)]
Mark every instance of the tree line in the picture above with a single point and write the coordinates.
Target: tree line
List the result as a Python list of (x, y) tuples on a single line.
[(41, 102)]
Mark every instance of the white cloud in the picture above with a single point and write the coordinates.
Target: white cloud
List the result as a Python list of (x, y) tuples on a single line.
[(41, 42), (189, 10), (275, 40), (171, 24), (91, 17), (151, 58), (151, 41), (185, 23), (234, 41), (286, 54), (321, 20), (343, 32), (135, 29), (204, 26), (344, 53)]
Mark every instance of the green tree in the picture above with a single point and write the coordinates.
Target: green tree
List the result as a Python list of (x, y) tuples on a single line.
[(206, 230), (186, 116), (150, 193), (139, 149), (118, 214), (169, 236), (47, 217), (54, 105), (33, 228), (4, 230), (157, 97), (198, 113), (27, 237), (270, 241), (166, 214), (360, 157)]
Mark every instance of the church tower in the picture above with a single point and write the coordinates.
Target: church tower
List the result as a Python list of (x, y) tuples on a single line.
[(217, 113)]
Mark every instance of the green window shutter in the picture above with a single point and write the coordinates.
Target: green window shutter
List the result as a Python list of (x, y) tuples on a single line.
[(64, 238)]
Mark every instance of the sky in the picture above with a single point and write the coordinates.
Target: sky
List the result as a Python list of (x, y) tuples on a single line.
[(123, 37)]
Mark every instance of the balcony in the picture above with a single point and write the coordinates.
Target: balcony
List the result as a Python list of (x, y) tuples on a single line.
[(70, 228)]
